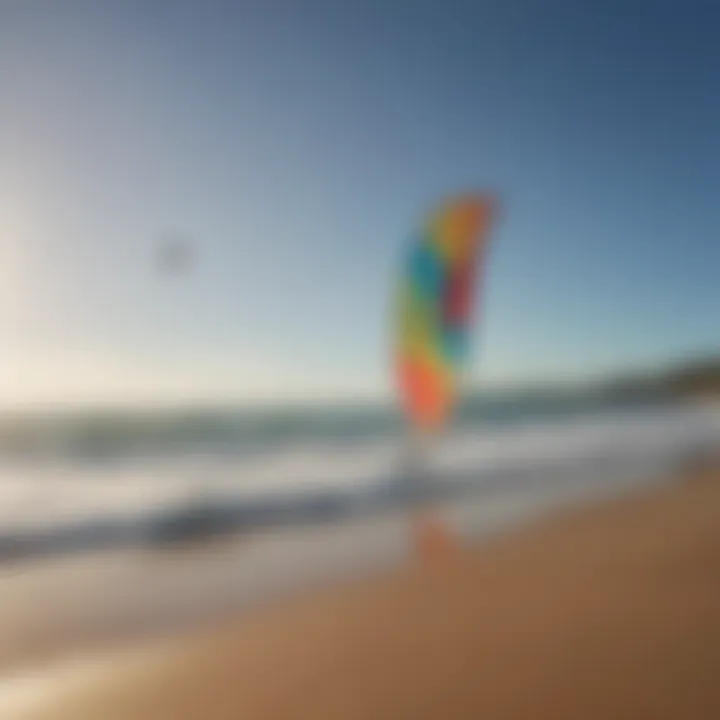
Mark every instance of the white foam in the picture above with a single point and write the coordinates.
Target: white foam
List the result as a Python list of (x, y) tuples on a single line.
[(47, 495)]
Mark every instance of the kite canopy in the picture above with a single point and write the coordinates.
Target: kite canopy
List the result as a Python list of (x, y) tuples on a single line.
[(436, 299)]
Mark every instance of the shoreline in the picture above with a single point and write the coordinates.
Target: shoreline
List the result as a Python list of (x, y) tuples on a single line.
[(575, 594), (58, 607)]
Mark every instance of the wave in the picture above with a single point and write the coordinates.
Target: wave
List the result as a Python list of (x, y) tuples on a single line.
[(111, 435), (65, 505)]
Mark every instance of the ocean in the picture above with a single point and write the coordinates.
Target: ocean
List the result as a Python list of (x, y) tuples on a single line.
[(75, 481)]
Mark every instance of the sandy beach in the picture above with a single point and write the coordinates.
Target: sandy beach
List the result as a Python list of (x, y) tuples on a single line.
[(607, 611)]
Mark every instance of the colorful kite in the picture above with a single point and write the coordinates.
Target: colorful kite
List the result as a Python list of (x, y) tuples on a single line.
[(436, 299)]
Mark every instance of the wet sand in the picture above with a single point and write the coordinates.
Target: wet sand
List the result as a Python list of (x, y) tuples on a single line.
[(610, 611)]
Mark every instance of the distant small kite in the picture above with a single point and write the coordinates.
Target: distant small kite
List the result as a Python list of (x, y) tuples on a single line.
[(175, 257)]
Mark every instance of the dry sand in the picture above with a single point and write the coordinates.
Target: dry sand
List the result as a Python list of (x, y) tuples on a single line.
[(610, 612)]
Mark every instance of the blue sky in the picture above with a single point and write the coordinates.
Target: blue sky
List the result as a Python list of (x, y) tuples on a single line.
[(299, 143)]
